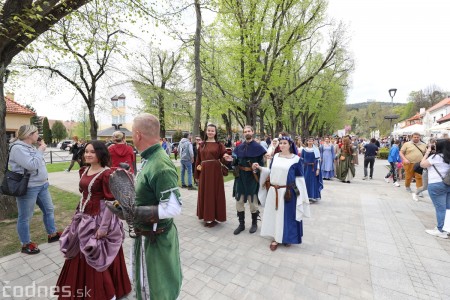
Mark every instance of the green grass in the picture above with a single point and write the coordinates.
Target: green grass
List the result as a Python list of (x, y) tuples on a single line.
[(65, 204), (61, 166)]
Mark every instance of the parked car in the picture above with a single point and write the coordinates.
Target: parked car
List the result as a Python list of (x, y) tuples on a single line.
[(65, 145)]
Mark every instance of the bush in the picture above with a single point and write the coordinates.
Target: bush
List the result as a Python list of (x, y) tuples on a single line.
[(177, 136), (383, 153)]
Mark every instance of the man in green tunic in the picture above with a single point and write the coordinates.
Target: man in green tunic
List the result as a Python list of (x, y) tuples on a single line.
[(246, 184), (156, 257)]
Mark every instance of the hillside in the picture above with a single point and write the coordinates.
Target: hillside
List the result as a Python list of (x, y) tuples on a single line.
[(357, 106)]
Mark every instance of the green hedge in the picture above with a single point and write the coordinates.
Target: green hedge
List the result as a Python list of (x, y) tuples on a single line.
[(383, 153)]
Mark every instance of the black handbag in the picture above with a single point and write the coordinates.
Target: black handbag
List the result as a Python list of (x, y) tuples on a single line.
[(417, 168), (14, 184)]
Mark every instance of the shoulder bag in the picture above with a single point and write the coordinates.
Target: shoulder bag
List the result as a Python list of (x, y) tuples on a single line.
[(14, 184), (417, 168), (446, 178)]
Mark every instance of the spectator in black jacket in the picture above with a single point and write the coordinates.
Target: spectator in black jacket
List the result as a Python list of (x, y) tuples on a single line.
[(370, 152)]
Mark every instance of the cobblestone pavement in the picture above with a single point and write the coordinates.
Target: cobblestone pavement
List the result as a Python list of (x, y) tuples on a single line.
[(365, 240)]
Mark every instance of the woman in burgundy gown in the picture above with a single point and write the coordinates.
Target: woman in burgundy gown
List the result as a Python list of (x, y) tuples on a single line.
[(211, 192), (92, 244)]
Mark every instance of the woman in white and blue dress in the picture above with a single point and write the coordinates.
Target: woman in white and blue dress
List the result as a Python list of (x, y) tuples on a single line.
[(310, 158), (283, 195)]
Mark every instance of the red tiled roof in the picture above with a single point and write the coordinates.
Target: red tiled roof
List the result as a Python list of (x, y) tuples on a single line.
[(444, 119), (417, 116), (13, 107), (442, 103)]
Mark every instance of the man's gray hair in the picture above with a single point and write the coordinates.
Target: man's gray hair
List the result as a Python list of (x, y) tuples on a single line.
[(147, 124)]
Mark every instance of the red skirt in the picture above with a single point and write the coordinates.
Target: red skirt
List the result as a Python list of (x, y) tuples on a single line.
[(78, 280)]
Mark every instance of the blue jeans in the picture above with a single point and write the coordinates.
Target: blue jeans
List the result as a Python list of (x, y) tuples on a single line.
[(440, 195), (39, 195), (186, 165)]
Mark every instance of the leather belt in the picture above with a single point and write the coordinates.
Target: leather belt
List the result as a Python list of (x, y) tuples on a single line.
[(150, 233), (277, 187), (247, 169)]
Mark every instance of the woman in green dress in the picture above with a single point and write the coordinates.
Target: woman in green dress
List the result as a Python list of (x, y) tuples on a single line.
[(346, 166)]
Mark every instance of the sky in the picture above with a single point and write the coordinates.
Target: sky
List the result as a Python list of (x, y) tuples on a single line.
[(395, 44)]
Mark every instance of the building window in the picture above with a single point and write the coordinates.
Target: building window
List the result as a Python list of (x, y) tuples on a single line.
[(115, 120), (121, 103), (115, 103)]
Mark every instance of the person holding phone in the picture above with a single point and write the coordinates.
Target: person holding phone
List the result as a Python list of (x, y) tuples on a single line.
[(438, 165), (27, 153)]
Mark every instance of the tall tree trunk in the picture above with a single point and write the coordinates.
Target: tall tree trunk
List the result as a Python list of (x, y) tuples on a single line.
[(161, 115), (94, 125), (198, 71), (227, 120), (278, 109), (262, 132), (8, 207), (251, 111)]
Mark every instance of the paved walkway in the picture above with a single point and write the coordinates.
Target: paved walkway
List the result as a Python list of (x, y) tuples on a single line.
[(365, 240)]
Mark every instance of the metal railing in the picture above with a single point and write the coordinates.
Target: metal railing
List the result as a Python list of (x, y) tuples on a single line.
[(53, 156)]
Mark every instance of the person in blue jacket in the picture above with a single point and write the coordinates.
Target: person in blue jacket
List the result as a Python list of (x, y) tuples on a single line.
[(393, 159)]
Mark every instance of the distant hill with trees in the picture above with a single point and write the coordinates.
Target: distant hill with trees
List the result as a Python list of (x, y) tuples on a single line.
[(364, 105)]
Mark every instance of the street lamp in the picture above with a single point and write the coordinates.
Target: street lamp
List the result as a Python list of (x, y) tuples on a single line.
[(391, 117), (392, 94)]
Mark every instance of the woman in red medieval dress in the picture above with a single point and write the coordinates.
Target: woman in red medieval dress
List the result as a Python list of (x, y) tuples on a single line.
[(92, 244), (211, 192)]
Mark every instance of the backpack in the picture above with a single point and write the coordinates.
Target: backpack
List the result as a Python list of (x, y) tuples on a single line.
[(184, 151)]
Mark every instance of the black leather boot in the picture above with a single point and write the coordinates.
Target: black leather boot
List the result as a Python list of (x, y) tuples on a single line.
[(241, 227), (254, 227)]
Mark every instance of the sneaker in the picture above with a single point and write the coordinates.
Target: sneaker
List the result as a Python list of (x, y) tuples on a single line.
[(30, 248), (54, 238), (364, 178), (370, 178), (408, 189), (415, 198), (184, 186), (421, 195), (191, 188), (386, 179), (396, 184), (436, 232), (67, 170)]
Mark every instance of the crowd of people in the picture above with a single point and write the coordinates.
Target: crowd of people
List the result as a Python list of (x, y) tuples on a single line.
[(284, 175)]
